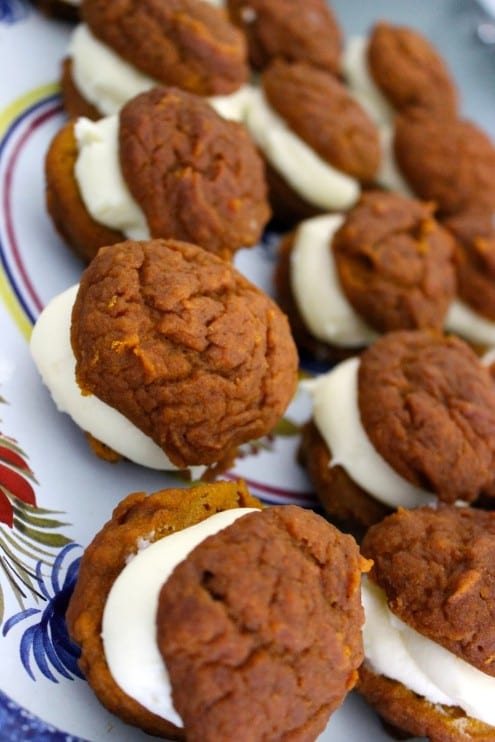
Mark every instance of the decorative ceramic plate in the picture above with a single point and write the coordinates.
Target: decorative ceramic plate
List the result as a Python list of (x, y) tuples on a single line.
[(54, 494)]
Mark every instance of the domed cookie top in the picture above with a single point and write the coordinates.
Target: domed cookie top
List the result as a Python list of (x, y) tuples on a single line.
[(184, 346), (428, 406), (448, 161), (197, 176), (290, 30), (270, 603), (409, 71), (395, 262)]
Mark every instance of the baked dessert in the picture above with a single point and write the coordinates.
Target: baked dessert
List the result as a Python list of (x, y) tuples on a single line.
[(428, 635), (166, 166), (410, 422), (320, 152), (291, 30), (343, 279), (448, 161), (66, 10), (472, 314), (258, 626), (122, 49), (396, 68), (174, 341)]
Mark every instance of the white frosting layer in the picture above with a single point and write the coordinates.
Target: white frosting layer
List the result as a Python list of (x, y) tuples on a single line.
[(310, 176), (129, 618), (389, 175), (336, 415), (368, 94), (360, 82), (102, 76), (52, 353), (316, 288), (234, 106), (399, 652), (462, 320), (99, 177)]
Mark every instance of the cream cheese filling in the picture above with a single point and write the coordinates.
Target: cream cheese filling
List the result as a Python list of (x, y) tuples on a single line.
[(462, 320), (360, 81), (100, 181), (129, 617), (364, 89), (395, 650), (389, 175), (325, 309), (336, 414), (234, 106), (310, 176), (52, 353), (102, 76)]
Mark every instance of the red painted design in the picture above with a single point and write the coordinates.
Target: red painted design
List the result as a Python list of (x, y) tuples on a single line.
[(6, 512), (16, 485)]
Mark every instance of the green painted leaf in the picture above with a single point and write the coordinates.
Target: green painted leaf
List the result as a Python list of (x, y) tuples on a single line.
[(25, 546), (36, 509), (38, 522), (50, 539)]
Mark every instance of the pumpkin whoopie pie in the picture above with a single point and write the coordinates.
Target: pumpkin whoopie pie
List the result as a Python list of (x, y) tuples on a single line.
[(320, 151), (166, 166), (124, 48), (429, 632), (386, 264), (244, 623), (176, 345), (409, 422)]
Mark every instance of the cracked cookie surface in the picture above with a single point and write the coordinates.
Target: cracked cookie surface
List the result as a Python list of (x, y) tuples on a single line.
[(428, 406), (436, 567), (264, 615), (196, 176), (395, 262), (184, 346)]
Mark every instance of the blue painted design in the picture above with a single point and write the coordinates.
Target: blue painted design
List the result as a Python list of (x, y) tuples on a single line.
[(12, 11), (47, 642), (17, 724)]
